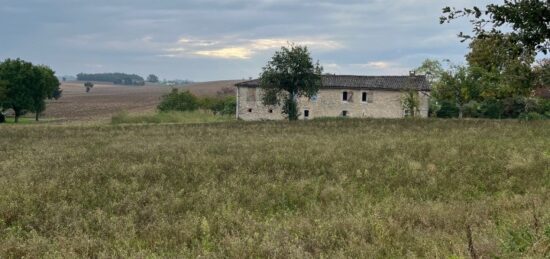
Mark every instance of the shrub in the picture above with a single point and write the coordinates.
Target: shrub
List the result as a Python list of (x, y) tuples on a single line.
[(543, 106), (472, 110), (447, 110), (229, 105), (220, 105), (186, 101), (178, 101)]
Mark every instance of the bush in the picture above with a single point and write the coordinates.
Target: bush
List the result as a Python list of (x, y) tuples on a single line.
[(472, 110), (492, 109), (178, 101), (186, 101), (542, 106), (229, 106), (447, 110)]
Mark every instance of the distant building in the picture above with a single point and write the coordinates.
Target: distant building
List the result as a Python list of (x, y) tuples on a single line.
[(341, 95)]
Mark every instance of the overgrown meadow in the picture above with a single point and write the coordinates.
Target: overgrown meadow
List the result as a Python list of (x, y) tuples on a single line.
[(325, 188)]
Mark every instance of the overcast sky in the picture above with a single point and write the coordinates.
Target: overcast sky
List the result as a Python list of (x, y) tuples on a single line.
[(227, 39)]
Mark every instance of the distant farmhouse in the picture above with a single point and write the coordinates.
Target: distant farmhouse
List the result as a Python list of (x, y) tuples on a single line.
[(341, 96)]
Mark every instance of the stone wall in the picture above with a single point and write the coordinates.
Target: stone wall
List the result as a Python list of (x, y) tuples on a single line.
[(329, 103)]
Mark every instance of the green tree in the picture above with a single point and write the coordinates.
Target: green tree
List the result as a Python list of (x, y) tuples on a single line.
[(152, 78), (502, 66), (411, 103), (528, 20), (432, 69), (3, 96), (459, 86), (19, 76), (3, 91), (88, 86), (44, 86), (289, 75), (178, 101)]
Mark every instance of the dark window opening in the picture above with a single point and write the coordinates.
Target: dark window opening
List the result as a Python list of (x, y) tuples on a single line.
[(364, 97), (345, 113), (270, 110), (249, 110), (306, 114), (344, 96)]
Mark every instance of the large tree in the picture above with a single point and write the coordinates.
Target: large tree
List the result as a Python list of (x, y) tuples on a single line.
[(289, 75), (528, 19), (19, 76), (44, 86), (3, 91), (432, 69), (459, 86), (503, 66)]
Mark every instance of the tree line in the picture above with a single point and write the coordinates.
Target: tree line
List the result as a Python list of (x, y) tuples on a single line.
[(115, 78), (25, 87)]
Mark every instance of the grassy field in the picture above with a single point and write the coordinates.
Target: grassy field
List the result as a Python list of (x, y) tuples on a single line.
[(170, 117), (326, 188)]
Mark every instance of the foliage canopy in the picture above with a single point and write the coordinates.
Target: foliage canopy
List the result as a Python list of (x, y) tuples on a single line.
[(290, 74)]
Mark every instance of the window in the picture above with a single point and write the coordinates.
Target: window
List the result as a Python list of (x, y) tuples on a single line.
[(249, 110), (306, 114), (270, 110), (364, 97), (345, 96), (345, 113)]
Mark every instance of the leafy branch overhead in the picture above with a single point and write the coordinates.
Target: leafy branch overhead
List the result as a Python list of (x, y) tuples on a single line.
[(528, 19)]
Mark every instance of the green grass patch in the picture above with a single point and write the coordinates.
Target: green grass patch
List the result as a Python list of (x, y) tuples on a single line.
[(322, 188), (170, 117), (22, 120)]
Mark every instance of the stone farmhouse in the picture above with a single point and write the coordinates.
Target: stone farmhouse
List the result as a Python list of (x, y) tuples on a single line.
[(340, 95)]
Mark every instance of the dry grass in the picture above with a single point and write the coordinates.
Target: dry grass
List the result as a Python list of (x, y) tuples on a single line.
[(331, 188)]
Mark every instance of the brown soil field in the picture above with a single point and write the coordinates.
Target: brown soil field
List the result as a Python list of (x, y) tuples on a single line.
[(105, 100)]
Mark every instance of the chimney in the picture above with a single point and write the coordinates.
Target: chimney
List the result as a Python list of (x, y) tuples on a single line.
[(412, 73)]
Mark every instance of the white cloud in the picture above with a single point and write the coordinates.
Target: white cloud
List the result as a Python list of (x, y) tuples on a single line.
[(377, 65), (236, 48), (229, 53)]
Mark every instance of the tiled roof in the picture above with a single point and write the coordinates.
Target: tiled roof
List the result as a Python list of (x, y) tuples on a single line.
[(365, 82)]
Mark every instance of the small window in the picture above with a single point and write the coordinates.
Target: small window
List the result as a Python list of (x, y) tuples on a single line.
[(270, 110), (364, 97), (306, 114), (345, 113), (345, 96), (249, 110)]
